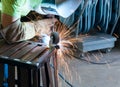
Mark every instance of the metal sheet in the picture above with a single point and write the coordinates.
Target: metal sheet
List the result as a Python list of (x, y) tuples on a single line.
[(25, 53)]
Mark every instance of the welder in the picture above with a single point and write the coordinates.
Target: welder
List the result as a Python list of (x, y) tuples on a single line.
[(13, 30)]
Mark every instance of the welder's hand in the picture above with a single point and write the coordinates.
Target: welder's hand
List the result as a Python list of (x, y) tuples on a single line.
[(44, 26)]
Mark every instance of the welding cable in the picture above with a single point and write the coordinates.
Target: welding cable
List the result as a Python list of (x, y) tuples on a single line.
[(62, 77), (83, 59), (104, 63)]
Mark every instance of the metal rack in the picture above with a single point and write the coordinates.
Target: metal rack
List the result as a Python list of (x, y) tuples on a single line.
[(26, 64)]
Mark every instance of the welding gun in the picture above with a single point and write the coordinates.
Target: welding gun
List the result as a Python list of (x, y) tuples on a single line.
[(63, 8)]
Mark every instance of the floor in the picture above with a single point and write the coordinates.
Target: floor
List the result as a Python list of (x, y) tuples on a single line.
[(96, 69)]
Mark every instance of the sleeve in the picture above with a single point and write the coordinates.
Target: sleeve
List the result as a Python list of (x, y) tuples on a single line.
[(12, 7), (18, 31)]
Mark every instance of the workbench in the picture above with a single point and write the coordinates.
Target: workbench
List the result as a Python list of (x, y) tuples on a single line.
[(25, 64)]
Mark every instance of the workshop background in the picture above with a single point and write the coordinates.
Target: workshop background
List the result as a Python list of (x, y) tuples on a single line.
[(97, 63)]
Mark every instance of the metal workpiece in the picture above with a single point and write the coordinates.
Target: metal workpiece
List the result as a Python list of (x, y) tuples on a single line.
[(34, 57)]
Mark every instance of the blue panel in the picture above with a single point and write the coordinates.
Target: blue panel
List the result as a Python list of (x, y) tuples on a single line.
[(5, 83)]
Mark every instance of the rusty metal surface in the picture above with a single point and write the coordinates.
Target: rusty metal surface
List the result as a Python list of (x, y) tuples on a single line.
[(32, 56), (28, 52)]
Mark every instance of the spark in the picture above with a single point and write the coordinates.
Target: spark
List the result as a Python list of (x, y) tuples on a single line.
[(67, 41), (108, 65), (99, 28), (96, 57), (67, 48), (117, 36)]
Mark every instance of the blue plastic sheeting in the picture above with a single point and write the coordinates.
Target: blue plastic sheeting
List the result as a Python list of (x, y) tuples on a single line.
[(115, 10), (79, 17), (94, 4), (74, 18), (85, 20), (115, 18), (5, 84), (97, 12), (106, 15)]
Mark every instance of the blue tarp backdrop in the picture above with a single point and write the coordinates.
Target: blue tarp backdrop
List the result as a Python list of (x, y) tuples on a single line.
[(97, 12)]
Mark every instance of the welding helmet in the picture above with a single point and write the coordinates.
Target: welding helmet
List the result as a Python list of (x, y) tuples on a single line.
[(63, 8)]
